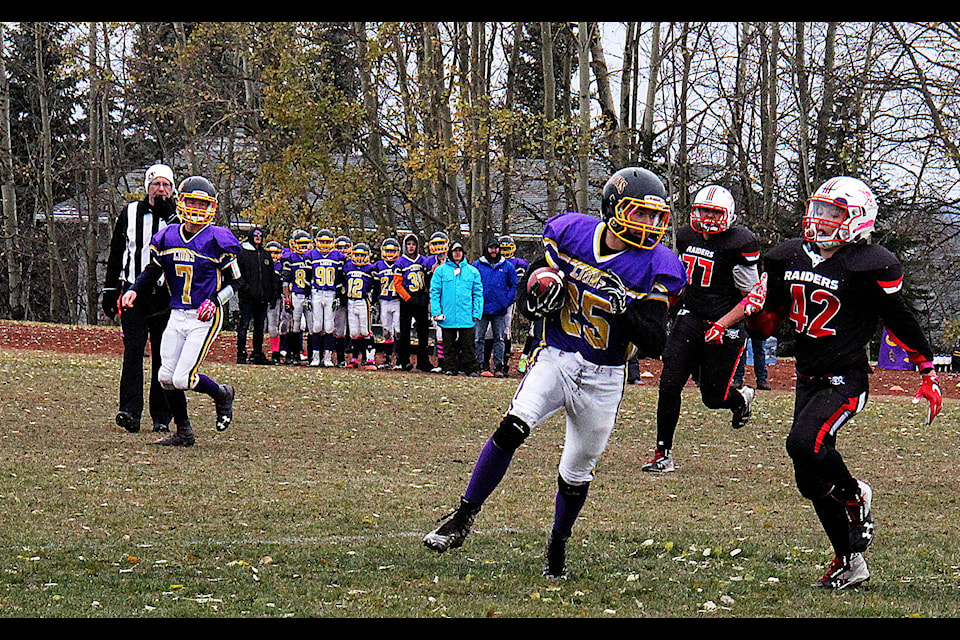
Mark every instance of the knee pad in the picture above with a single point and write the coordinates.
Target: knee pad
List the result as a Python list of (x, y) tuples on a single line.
[(511, 433), (568, 490)]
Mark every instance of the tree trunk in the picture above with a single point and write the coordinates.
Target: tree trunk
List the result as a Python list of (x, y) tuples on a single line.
[(11, 224), (549, 117), (583, 146), (646, 133)]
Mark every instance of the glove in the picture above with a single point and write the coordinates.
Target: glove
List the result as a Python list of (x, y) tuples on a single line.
[(206, 310), (616, 293), (550, 301), (930, 390), (287, 305), (111, 302), (755, 298), (714, 334)]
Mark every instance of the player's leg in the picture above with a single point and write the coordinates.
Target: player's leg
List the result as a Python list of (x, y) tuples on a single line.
[(199, 339), (171, 346), (842, 504), (718, 368), (540, 394), (681, 355)]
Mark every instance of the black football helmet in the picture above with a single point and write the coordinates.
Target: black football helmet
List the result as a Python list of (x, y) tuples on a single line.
[(627, 192), (197, 200)]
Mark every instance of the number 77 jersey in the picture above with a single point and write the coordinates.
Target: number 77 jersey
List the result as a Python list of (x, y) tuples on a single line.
[(836, 305), (586, 324)]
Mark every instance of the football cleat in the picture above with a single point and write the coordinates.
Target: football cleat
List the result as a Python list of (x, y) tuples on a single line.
[(662, 462), (183, 437), (224, 405), (845, 572), (556, 557), (128, 422), (860, 518), (454, 531), (740, 418)]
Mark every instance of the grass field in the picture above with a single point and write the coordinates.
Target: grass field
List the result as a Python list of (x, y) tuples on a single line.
[(315, 501)]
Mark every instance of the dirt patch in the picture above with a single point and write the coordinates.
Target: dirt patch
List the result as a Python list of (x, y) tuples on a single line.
[(107, 341)]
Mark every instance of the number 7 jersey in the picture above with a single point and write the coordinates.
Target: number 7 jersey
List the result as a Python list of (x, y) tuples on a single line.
[(193, 266), (835, 305), (585, 324)]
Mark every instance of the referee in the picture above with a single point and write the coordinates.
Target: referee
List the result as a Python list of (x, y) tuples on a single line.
[(137, 223)]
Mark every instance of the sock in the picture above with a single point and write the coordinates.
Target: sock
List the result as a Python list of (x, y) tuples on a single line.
[(488, 472), (566, 510), (206, 384)]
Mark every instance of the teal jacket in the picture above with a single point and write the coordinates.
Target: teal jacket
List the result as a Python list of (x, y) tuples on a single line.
[(456, 293)]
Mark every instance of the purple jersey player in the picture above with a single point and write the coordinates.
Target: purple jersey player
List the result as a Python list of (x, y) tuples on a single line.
[(617, 280), (198, 260)]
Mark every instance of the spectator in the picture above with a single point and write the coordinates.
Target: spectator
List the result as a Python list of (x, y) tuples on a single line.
[(456, 298), (499, 279), (146, 320), (260, 290)]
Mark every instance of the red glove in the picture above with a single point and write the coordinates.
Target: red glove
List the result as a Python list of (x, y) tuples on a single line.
[(206, 310), (930, 389), (714, 334), (755, 298)]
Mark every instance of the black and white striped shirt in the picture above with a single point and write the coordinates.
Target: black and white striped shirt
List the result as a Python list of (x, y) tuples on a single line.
[(130, 244)]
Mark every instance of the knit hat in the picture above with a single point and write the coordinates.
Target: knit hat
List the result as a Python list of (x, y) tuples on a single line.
[(157, 171)]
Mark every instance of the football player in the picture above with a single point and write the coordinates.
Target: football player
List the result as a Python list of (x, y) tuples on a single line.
[(296, 276), (439, 245), (387, 298), (836, 288), (360, 287), (508, 250), (198, 260), (412, 283), (617, 279), (708, 336), (326, 274), (278, 318), (340, 330)]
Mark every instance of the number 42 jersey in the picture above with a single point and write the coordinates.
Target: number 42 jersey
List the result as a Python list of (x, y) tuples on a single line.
[(835, 304)]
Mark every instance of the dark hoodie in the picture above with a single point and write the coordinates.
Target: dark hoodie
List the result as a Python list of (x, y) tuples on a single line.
[(260, 281)]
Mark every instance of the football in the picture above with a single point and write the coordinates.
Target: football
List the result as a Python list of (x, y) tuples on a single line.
[(542, 279)]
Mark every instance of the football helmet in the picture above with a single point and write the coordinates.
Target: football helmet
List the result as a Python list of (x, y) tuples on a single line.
[(343, 244), (274, 249), (714, 210), (438, 243), (843, 210), (631, 192), (360, 254), (507, 246), (300, 241), (325, 242), (390, 249), (197, 200)]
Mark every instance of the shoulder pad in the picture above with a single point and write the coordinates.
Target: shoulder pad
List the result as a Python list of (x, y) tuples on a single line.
[(863, 258)]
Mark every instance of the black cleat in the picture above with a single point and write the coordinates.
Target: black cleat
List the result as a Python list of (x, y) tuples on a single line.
[(224, 405), (182, 438), (454, 531), (128, 422), (740, 418), (556, 557)]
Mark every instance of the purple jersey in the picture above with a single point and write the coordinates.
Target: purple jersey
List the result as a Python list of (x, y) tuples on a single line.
[(585, 324), (520, 265), (193, 267), (415, 272), (295, 272), (384, 271), (324, 268), (359, 280)]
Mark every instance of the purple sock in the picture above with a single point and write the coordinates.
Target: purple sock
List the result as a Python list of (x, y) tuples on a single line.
[(566, 510), (206, 384), (487, 474)]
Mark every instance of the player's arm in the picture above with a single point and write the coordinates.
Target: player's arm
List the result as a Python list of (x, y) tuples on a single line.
[(646, 325), (753, 289), (150, 274)]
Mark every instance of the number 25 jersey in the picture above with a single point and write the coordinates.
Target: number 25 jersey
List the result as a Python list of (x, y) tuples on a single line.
[(835, 305)]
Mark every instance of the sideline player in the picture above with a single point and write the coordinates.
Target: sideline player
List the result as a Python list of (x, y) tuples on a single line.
[(438, 245), (617, 279), (412, 283), (360, 287), (836, 288), (387, 299), (278, 318), (508, 251), (198, 260), (325, 262), (708, 335), (296, 275)]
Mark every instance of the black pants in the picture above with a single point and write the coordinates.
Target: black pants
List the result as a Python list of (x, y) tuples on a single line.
[(256, 312), (822, 407), (686, 354), (145, 321), (409, 312), (459, 350)]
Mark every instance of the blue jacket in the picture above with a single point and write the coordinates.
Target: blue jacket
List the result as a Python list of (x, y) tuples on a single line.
[(499, 285), (456, 296)]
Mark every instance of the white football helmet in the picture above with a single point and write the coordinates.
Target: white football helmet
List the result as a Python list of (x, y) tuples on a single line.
[(843, 210), (713, 210)]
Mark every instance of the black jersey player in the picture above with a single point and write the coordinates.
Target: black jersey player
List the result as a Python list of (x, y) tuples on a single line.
[(836, 288), (708, 335)]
